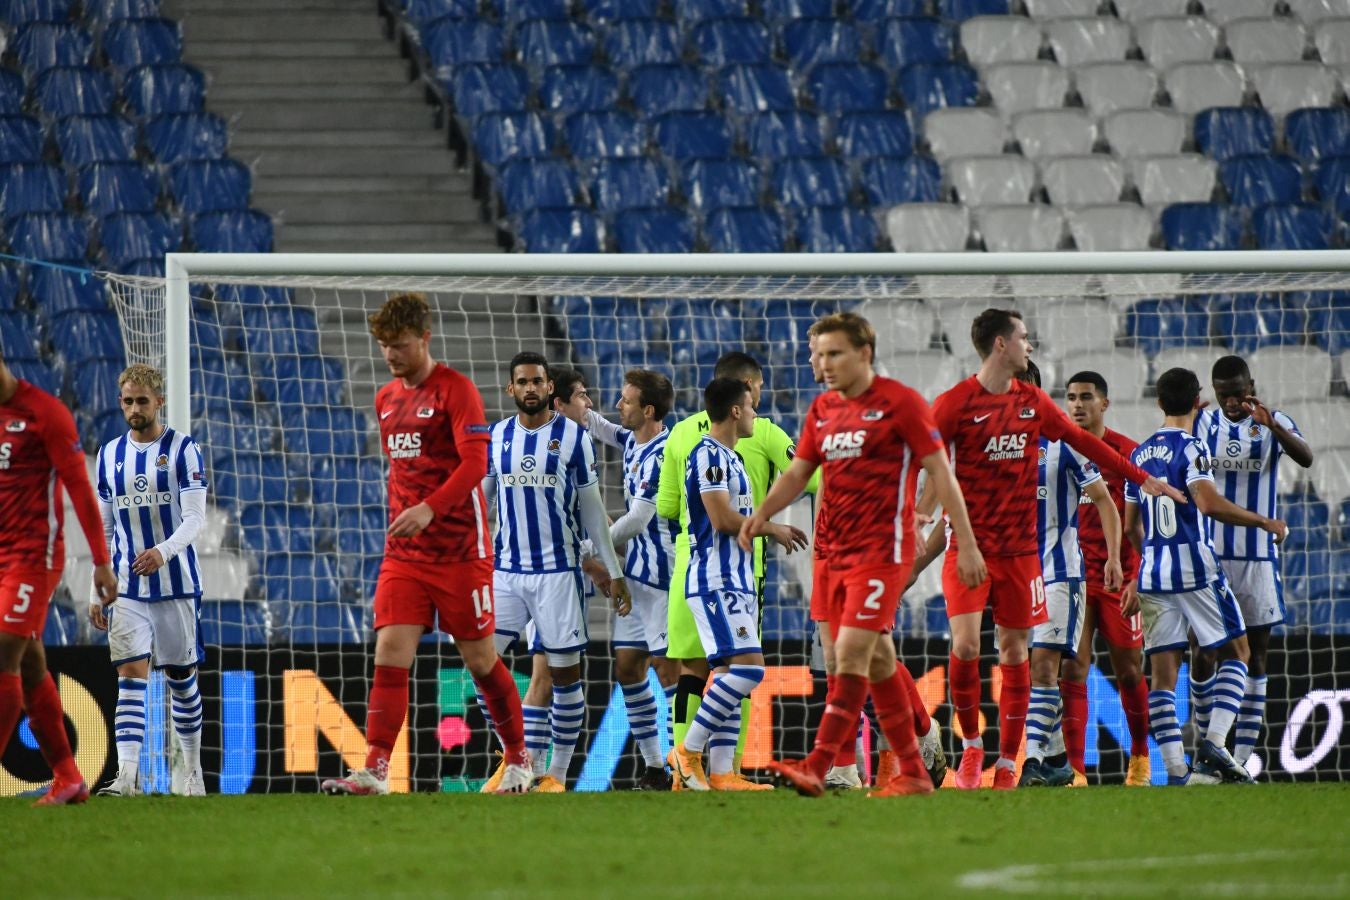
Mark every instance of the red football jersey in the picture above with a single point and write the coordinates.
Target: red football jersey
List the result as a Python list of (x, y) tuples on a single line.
[(39, 451), (422, 429), (870, 447), (994, 440), (1091, 539)]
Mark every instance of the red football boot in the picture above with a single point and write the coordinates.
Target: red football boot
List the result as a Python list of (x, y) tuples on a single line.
[(971, 768), (64, 793), (795, 773)]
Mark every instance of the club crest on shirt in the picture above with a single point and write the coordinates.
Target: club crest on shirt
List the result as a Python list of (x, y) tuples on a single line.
[(742, 633), (1254, 431), (162, 462), (1040, 456), (1027, 413), (555, 446), (425, 412), (14, 426), (872, 415)]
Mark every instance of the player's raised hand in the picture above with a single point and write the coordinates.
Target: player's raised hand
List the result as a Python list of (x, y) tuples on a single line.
[(1156, 487), (622, 597), (411, 521), (147, 562), (105, 584), (1129, 601), (787, 537), (970, 567), (1115, 576), (751, 528), (1260, 414), (1277, 527)]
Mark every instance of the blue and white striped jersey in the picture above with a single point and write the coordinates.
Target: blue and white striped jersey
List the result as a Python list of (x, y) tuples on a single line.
[(716, 561), (144, 484), (1177, 554), (1062, 475), (1246, 469), (651, 555), (537, 476)]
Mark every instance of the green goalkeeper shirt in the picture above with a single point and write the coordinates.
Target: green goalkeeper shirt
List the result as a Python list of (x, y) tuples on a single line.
[(766, 453)]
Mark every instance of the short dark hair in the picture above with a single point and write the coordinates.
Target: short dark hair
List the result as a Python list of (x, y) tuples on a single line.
[(1032, 375), (526, 358), (738, 365), (1087, 376), (1178, 389), (565, 384), (1226, 367), (721, 395), (654, 390), (989, 325)]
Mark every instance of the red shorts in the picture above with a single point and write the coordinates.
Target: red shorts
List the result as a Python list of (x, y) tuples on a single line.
[(866, 596), (24, 597), (1015, 588), (820, 590), (456, 596), (1119, 629)]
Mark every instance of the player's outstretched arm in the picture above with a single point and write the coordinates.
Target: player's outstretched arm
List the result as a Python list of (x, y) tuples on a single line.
[(1100, 496), (632, 523), (605, 431), (969, 560), (1213, 504), (1058, 426), (786, 489)]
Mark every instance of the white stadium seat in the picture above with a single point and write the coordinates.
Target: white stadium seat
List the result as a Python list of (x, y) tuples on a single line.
[(1145, 132), (1199, 360), (1135, 419), (1201, 85), (930, 372), (1331, 474), (1111, 226), (1135, 11), (1125, 371), (1310, 12), (989, 40), (1081, 180), (1265, 41), (902, 327), (225, 574), (964, 131), (928, 227), (1285, 87), (1322, 428), (1182, 178), (1088, 40), (1221, 12), (985, 180), (1054, 132), (1019, 87), (1166, 42), (1332, 39), (1057, 9), (1020, 227), (1071, 326), (1292, 373), (1111, 86), (956, 315)]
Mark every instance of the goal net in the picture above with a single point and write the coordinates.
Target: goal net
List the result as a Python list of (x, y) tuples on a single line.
[(272, 369)]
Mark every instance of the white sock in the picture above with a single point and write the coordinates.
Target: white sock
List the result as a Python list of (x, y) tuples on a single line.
[(187, 718), (129, 724), (568, 710), (640, 703), (1226, 699)]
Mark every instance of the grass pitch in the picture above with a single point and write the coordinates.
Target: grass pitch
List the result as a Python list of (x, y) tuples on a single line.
[(1274, 840)]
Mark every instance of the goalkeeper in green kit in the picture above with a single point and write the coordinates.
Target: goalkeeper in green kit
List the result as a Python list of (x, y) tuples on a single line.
[(766, 455)]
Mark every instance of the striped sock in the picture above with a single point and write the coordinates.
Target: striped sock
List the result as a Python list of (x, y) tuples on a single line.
[(1162, 721), (1056, 744), (1042, 717), (536, 736), (722, 701), (487, 715), (129, 723), (670, 717), (187, 718), (1201, 698), (1249, 719), (722, 745), (569, 708), (1225, 700), (640, 703)]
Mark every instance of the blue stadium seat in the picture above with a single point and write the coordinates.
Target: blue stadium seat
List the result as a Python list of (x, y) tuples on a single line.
[(536, 183), (234, 623), (62, 628), (303, 579), (88, 335), (960, 10), (94, 384), (1331, 183), (889, 182), (656, 90), (935, 616), (59, 291), (182, 137), (550, 43), (17, 12), (324, 622), (700, 330), (142, 42), (252, 295), (336, 431), (280, 330), (723, 42), (809, 42), (698, 10), (274, 529), (31, 188), (9, 287), (1227, 131), (516, 12), (561, 230), (231, 231), (836, 229), (1314, 134), (930, 86), (655, 230), (304, 381), (210, 185), (248, 477), (85, 140), (1293, 226), (607, 11), (39, 46), (1257, 179), (12, 93), (1309, 521), (1155, 325), (36, 372), (420, 12), (451, 42), (771, 135), (105, 11), (50, 236), (489, 88), (1329, 323), (917, 40), (620, 184), (713, 183), (693, 135), (863, 135), (501, 137), (217, 387), (810, 181), (1343, 521), (131, 236), (599, 135), (879, 10), (1307, 573), (362, 531), (1203, 226), (745, 230), (568, 89), (74, 91), (349, 483), (1250, 321), (835, 88), (20, 336), (107, 188), (164, 90), (637, 42), (784, 623), (20, 139), (782, 10), (749, 89)]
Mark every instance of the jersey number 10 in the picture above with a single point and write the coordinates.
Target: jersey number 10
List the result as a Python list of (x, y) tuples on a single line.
[(1162, 516)]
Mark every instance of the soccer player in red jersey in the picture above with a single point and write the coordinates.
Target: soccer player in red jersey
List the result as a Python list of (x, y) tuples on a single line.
[(39, 452), (992, 425), (437, 568), (1114, 613), (872, 435)]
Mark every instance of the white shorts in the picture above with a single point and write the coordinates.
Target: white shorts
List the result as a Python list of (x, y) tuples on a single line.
[(164, 632), (552, 601), (728, 623), (1212, 613), (1066, 606), (644, 627), (1260, 592)]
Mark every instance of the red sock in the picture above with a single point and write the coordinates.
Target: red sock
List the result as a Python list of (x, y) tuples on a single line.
[(11, 706), (965, 676), (848, 750), (1073, 694), (503, 702), (891, 699), (922, 722), (49, 727), (840, 721), (1012, 708), (1135, 701), (385, 713)]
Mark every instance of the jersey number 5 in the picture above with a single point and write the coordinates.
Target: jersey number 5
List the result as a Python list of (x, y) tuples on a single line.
[(25, 594)]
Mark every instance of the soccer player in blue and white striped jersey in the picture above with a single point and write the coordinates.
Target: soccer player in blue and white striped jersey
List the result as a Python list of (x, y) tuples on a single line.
[(1181, 586), (152, 491), (640, 638), (542, 471), (720, 589), (1247, 441)]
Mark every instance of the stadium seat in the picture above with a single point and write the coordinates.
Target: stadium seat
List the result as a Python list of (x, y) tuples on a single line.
[(107, 188), (928, 227), (520, 12), (1056, 9), (209, 185), (960, 10), (280, 330), (986, 180), (1020, 87), (1195, 86), (1145, 132), (810, 181), (131, 236), (501, 137), (1156, 325), (337, 431), (1308, 518), (745, 230), (89, 335), (837, 88), (862, 135), (611, 11), (85, 140), (773, 135), (888, 182), (234, 622), (537, 183), (1166, 41), (990, 40), (1259, 41), (450, 42), (39, 46), (1257, 179), (750, 89), (1110, 226), (1073, 325), (655, 230), (1227, 132), (598, 135), (31, 188), (1331, 183), (19, 12), (1248, 322), (142, 42), (349, 483), (638, 42), (1054, 132), (656, 90), (1203, 226), (1315, 134), (1293, 226), (74, 91), (700, 328), (698, 10), (1307, 574), (1291, 373), (1332, 39), (969, 131), (545, 42), (1184, 178), (301, 578), (182, 137), (1320, 430), (1329, 323), (20, 336), (164, 90), (713, 183), (1020, 227), (810, 42), (724, 42), (1227, 11), (13, 93), (1091, 39), (420, 12), (231, 231), (1285, 87), (560, 230), (693, 135), (619, 184), (1108, 87), (49, 236), (482, 88), (248, 477), (35, 372), (875, 11), (903, 41), (930, 86), (59, 291), (783, 10), (836, 229), (1079, 180), (564, 90)]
